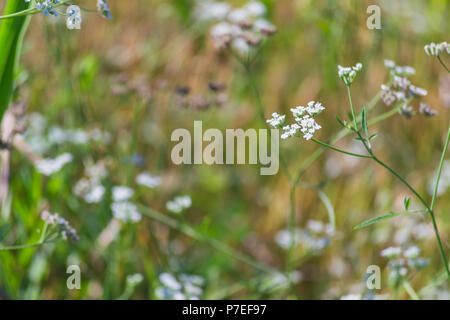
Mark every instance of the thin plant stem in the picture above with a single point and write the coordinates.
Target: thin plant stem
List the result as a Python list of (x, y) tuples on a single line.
[(403, 180), (441, 163), (29, 11), (351, 106), (341, 134), (412, 293), (340, 150), (194, 234), (443, 64)]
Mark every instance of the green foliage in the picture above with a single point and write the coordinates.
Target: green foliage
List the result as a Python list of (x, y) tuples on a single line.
[(11, 36)]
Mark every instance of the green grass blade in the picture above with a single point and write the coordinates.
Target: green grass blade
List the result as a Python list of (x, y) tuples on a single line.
[(377, 219), (11, 36)]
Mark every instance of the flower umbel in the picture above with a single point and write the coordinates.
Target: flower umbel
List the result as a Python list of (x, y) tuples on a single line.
[(305, 125), (348, 74), (73, 17), (436, 49)]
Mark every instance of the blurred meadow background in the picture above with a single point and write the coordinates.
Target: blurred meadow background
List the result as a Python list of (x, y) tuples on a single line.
[(111, 94)]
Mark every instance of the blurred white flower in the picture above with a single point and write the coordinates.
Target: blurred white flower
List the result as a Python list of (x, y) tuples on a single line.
[(179, 204), (95, 194), (255, 8), (49, 166), (135, 279), (169, 281), (121, 193), (73, 17), (126, 211), (352, 296), (412, 252), (211, 10), (391, 252), (147, 180)]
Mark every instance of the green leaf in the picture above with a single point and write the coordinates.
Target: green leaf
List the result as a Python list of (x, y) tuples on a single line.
[(377, 219), (343, 123), (373, 136), (407, 202), (364, 122), (12, 31)]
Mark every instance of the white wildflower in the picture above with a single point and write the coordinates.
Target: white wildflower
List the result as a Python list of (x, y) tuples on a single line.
[(255, 8), (277, 120), (412, 252), (179, 204), (169, 281), (290, 131), (95, 194), (391, 252), (135, 279), (121, 193), (436, 49), (352, 296), (147, 180), (73, 17), (49, 166), (126, 211), (348, 74)]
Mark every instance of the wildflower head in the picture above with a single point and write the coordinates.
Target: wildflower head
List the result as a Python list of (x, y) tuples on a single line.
[(126, 211), (179, 204), (400, 91), (436, 49), (61, 225), (73, 17), (242, 28), (425, 110), (348, 74), (277, 120), (103, 8), (402, 262)]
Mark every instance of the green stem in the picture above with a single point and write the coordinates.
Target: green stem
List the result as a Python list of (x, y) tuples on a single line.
[(412, 293), (443, 64), (444, 151), (341, 134), (191, 232), (430, 211), (351, 106), (340, 150), (29, 11)]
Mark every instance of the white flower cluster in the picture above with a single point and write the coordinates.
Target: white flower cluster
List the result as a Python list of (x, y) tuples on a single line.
[(134, 279), (62, 225), (185, 287), (147, 180), (241, 28), (90, 187), (401, 262), (40, 139), (436, 49), (126, 211), (315, 237), (73, 12), (50, 166), (123, 209), (179, 204), (73, 17), (305, 125), (401, 90), (277, 120), (348, 74)]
